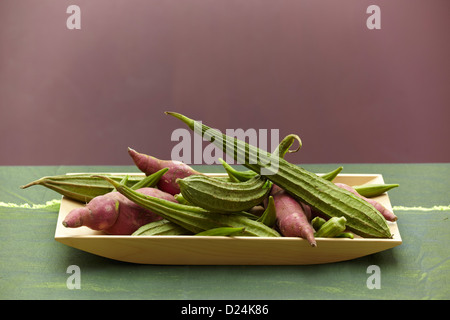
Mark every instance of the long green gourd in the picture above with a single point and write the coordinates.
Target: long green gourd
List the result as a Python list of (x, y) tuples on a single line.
[(180, 199), (193, 218), (80, 187), (219, 195), (84, 187), (323, 195)]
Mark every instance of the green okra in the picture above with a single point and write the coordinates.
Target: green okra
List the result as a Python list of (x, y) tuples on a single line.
[(332, 174), (371, 190), (150, 181), (331, 228), (317, 222), (269, 216)]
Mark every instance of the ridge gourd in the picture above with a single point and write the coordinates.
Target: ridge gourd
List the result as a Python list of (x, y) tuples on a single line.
[(362, 218)]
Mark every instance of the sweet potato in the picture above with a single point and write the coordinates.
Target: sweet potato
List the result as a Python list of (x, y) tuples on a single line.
[(387, 214), (149, 165), (292, 219), (114, 214)]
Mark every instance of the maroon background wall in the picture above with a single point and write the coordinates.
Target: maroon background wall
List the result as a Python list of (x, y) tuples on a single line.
[(70, 97)]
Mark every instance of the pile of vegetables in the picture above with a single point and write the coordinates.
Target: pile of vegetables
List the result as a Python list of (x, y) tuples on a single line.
[(174, 199)]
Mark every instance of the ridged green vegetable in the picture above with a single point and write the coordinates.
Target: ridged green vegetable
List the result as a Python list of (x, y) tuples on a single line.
[(179, 197), (193, 218), (219, 195), (371, 190), (331, 228), (85, 187), (323, 195), (161, 228)]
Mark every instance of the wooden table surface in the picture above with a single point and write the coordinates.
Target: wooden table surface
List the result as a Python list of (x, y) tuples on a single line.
[(34, 266)]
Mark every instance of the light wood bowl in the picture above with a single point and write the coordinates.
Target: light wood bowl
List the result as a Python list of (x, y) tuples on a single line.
[(197, 250)]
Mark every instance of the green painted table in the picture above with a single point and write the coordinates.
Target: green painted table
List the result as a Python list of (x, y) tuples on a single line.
[(34, 266)]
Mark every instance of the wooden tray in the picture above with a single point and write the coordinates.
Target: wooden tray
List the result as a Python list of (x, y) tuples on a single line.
[(197, 250)]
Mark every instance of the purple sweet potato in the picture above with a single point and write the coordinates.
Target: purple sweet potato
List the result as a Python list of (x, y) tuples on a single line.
[(114, 214), (292, 218), (149, 165), (387, 214)]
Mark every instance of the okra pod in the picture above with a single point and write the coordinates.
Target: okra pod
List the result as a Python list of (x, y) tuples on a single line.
[(374, 190), (331, 228), (269, 216), (317, 222)]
